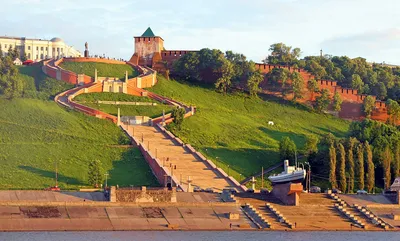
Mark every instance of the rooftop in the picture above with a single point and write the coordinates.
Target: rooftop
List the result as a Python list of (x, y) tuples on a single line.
[(148, 33), (24, 38)]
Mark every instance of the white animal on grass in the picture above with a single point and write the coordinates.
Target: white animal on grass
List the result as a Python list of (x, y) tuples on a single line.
[(271, 123)]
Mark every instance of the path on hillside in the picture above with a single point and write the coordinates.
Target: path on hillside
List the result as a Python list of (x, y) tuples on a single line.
[(184, 162), (177, 159)]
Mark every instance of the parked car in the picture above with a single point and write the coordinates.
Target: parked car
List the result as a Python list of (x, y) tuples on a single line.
[(336, 191), (362, 192), (315, 189)]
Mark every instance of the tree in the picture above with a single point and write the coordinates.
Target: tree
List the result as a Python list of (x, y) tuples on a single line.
[(322, 102), (350, 160), (387, 159), (337, 102), (312, 87), (282, 54), (253, 82), (368, 106), (287, 149), (316, 69), (357, 83), (178, 114), (342, 168), (360, 166), (381, 90), (297, 85), (332, 166), (311, 145), (11, 86), (396, 161), (393, 110), (371, 168), (24, 57), (225, 72), (95, 173)]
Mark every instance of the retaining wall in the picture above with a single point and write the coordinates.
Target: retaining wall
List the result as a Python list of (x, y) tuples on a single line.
[(352, 101)]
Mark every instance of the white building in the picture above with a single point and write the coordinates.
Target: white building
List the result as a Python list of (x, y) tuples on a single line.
[(38, 49)]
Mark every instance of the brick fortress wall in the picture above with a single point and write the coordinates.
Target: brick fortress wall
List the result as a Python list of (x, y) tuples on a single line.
[(352, 101), (149, 51)]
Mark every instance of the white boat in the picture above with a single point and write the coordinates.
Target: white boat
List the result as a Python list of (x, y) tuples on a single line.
[(290, 174)]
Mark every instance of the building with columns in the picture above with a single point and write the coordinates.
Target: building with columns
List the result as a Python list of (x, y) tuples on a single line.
[(38, 49)]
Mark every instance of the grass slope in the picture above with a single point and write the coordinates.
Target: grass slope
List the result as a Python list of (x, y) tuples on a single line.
[(103, 69), (38, 85), (235, 128), (34, 134), (93, 97), (132, 110)]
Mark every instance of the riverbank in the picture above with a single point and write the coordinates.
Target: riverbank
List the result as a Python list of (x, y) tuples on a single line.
[(199, 211)]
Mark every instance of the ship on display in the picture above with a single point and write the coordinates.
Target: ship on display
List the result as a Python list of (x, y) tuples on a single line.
[(290, 174)]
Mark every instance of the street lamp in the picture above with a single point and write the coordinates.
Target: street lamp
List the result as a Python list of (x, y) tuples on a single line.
[(106, 174), (308, 180)]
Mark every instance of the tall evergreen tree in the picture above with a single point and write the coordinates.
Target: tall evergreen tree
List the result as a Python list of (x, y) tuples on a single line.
[(332, 166), (337, 102), (387, 159), (297, 85), (360, 166), (371, 168), (396, 161), (94, 173), (350, 159), (342, 168)]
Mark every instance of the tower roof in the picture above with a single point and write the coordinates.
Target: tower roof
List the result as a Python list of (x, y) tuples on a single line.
[(148, 33)]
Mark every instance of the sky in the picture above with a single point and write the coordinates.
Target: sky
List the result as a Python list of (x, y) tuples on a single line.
[(355, 28)]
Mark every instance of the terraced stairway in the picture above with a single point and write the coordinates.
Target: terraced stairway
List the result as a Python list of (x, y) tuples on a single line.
[(259, 201), (315, 212), (180, 162)]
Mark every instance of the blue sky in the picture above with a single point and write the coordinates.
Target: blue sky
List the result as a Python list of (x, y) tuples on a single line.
[(365, 28)]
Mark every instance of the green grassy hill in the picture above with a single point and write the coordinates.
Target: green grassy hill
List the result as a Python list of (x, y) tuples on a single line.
[(38, 85), (103, 69), (235, 128), (34, 134), (91, 99)]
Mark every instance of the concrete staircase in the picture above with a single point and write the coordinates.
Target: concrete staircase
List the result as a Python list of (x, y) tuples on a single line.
[(372, 218), (351, 213), (280, 216), (256, 216), (181, 163)]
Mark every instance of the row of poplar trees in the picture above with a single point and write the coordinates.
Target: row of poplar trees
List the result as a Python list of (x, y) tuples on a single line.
[(350, 166)]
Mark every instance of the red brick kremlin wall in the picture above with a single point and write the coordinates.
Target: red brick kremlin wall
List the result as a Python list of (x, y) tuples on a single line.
[(352, 101)]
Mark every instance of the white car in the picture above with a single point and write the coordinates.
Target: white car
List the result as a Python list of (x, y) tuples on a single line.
[(362, 192)]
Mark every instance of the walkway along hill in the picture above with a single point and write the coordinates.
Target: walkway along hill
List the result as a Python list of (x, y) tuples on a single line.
[(172, 162)]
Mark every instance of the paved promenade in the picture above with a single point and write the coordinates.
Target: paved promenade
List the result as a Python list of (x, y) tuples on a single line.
[(186, 163)]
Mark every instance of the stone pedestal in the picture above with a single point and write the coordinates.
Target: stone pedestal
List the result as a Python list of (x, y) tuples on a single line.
[(113, 194), (173, 196), (288, 193), (86, 54)]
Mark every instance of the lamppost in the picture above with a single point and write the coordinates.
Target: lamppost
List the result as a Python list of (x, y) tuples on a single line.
[(106, 174), (308, 180)]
